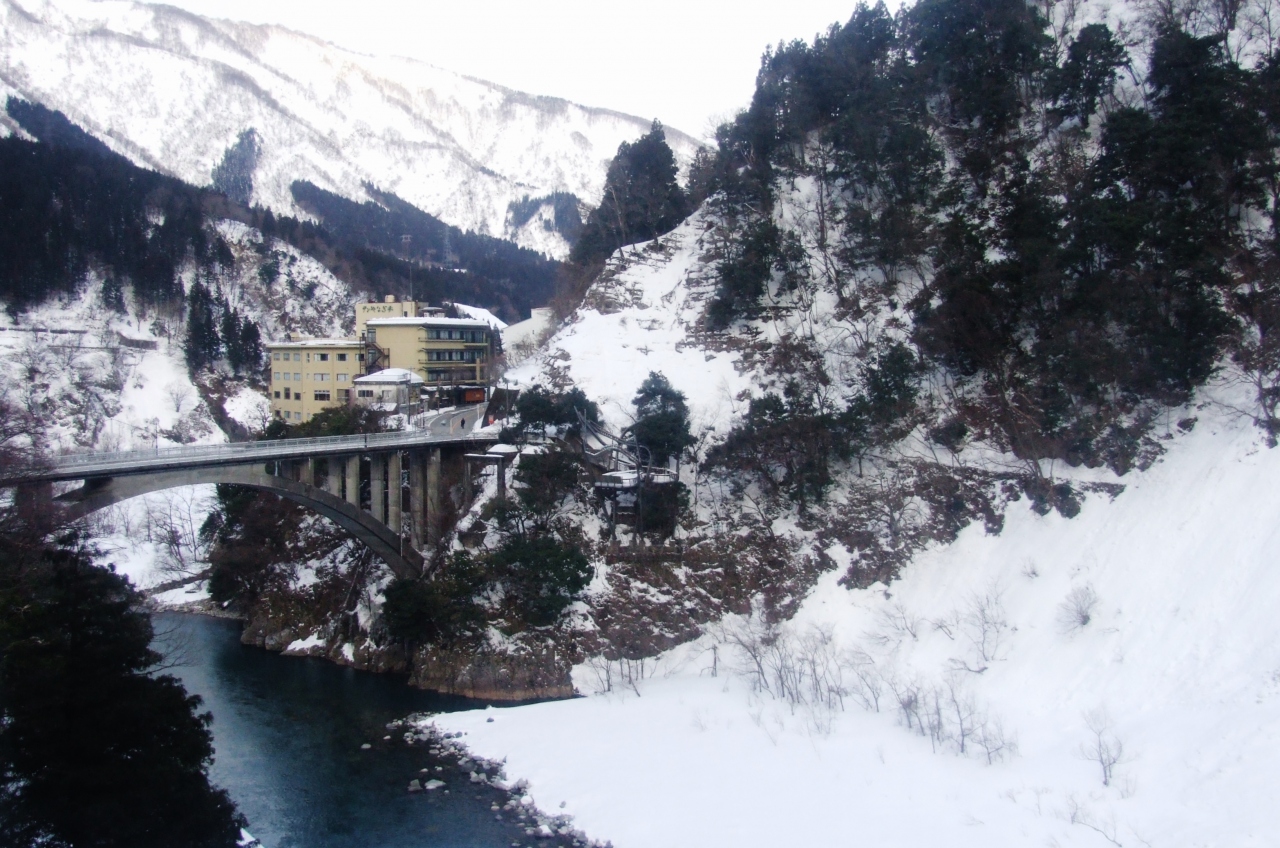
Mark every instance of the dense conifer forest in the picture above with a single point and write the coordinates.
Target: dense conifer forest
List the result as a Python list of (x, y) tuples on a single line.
[(1074, 227)]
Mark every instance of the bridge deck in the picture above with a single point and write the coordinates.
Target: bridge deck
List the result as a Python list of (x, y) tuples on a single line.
[(91, 465)]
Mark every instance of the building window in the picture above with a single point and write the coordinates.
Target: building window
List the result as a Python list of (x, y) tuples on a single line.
[(297, 376), (277, 375), (453, 355), (288, 395), (322, 396), (277, 395), (297, 356), (323, 357), (342, 378), (364, 393), (276, 356), (344, 395), (320, 378), (342, 357), (372, 335)]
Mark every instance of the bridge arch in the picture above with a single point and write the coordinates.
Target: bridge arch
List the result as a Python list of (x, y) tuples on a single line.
[(100, 493)]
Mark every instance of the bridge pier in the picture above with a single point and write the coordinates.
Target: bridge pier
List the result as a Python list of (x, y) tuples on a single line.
[(351, 483), (417, 507), (395, 494), (378, 486), (333, 476), (433, 516)]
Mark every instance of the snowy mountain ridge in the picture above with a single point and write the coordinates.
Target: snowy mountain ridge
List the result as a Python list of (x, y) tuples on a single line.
[(174, 91)]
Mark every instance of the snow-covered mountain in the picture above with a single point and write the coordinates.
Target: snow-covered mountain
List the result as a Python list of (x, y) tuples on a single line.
[(1104, 679), (1141, 633), (174, 91)]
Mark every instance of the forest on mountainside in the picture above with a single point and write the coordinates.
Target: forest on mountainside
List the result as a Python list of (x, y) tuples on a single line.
[(69, 205), (447, 263), (1058, 229)]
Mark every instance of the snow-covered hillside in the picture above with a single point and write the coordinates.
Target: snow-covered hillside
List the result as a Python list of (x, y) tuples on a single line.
[(98, 379), (1149, 620), (173, 91), (637, 318)]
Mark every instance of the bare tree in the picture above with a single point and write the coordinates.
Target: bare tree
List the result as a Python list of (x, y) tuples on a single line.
[(895, 624), (995, 742), (984, 624), (178, 393), (173, 522), (1103, 746)]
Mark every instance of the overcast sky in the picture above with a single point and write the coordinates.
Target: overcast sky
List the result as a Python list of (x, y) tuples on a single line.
[(689, 63)]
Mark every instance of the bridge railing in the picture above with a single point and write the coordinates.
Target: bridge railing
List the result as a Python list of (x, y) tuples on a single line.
[(263, 449)]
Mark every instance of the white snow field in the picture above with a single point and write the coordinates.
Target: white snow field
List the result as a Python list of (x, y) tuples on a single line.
[(1177, 669), (172, 91)]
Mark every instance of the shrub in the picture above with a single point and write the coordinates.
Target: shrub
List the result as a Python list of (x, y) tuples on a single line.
[(439, 610), (542, 576)]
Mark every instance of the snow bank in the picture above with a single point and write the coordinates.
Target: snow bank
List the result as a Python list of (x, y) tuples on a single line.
[(248, 408), (1177, 666)]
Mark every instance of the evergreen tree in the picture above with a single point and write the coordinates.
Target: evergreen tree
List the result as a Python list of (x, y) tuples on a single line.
[(542, 576), (233, 176), (203, 344), (662, 419), (641, 199), (95, 751)]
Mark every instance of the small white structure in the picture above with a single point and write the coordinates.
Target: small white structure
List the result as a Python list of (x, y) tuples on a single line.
[(391, 389)]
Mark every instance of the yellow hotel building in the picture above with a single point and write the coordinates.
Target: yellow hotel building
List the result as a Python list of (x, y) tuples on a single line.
[(451, 355), (313, 374)]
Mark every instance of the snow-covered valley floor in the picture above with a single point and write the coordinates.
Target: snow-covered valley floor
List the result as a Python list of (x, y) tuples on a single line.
[(1146, 631)]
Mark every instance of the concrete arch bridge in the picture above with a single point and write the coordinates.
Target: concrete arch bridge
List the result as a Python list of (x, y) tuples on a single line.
[(358, 482)]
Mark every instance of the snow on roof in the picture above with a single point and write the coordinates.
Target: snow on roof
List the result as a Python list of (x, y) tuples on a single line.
[(391, 375), (477, 313), (427, 322), (318, 343)]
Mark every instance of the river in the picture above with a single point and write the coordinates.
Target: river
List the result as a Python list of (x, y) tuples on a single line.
[(287, 733)]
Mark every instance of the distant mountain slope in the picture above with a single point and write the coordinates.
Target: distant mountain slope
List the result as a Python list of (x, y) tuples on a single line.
[(175, 92), (71, 209)]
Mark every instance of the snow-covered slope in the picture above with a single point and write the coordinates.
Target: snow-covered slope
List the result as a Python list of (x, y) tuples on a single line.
[(637, 318), (101, 380), (1177, 666), (173, 91)]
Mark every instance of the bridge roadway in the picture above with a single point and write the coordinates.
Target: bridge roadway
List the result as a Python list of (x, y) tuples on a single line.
[(450, 428), (356, 481)]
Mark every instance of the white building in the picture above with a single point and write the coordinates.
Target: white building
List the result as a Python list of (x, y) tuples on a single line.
[(392, 390)]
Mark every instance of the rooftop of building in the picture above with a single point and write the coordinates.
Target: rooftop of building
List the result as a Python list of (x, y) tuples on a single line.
[(468, 323), (346, 342), (390, 376)]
